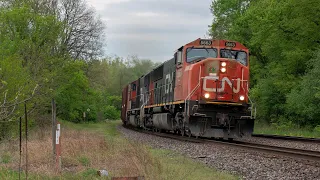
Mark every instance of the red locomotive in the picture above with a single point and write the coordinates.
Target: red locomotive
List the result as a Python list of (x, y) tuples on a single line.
[(201, 91)]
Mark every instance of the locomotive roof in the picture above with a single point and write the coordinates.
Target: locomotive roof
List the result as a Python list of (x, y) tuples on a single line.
[(215, 42)]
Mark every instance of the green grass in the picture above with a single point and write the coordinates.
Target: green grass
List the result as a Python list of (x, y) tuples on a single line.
[(9, 174), (6, 174), (286, 130), (5, 158), (107, 127), (176, 166)]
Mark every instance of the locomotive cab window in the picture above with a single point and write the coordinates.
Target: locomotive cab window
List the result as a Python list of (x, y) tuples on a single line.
[(179, 57), (133, 87), (240, 56), (198, 54)]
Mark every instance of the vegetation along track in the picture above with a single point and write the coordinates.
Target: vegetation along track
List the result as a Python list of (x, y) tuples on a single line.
[(291, 138), (291, 152)]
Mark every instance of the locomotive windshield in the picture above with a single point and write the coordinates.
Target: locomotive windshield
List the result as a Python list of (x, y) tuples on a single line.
[(198, 54), (240, 56)]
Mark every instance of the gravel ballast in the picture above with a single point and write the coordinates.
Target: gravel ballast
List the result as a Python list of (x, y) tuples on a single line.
[(245, 163)]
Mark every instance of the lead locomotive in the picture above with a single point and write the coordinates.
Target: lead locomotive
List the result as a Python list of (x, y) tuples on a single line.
[(201, 91)]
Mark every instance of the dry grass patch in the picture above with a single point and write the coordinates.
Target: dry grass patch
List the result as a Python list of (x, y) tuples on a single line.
[(87, 148), (83, 152)]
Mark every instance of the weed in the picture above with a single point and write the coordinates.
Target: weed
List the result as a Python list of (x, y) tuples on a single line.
[(5, 158), (89, 172), (84, 161)]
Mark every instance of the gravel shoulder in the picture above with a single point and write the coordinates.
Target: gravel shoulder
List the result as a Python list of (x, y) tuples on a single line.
[(248, 164), (313, 146)]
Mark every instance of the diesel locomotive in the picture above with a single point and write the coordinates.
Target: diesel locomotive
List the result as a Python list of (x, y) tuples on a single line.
[(202, 91)]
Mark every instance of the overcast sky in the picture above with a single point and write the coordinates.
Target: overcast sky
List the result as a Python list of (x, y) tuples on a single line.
[(152, 29)]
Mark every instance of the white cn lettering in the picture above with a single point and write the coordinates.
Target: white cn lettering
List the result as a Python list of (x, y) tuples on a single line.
[(141, 95), (168, 83), (223, 82)]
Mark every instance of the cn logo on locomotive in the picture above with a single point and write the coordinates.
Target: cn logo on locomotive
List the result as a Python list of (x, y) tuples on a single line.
[(223, 82)]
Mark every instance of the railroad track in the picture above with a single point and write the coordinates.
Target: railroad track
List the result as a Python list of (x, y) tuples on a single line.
[(289, 152), (291, 138)]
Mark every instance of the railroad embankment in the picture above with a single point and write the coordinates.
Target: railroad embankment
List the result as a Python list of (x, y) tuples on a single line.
[(87, 148), (287, 130), (249, 163)]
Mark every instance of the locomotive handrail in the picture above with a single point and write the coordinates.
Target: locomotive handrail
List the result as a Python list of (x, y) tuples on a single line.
[(192, 92)]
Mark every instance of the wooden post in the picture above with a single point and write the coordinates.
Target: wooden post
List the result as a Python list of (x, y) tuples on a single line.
[(58, 148), (53, 104)]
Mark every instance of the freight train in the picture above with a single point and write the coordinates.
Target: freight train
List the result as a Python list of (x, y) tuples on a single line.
[(202, 91)]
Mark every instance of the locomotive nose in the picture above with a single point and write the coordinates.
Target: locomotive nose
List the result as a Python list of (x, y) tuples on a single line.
[(213, 67), (215, 70)]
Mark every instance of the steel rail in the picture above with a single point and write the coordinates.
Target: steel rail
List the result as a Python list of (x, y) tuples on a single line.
[(284, 151), (291, 138), (290, 152)]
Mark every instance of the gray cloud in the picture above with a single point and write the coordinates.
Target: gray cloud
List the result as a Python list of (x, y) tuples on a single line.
[(152, 29)]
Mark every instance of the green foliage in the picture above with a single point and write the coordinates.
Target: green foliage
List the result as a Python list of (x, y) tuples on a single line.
[(282, 36), (38, 49), (96, 85), (304, 99), (26, 45), (109, 76), (317, 129)]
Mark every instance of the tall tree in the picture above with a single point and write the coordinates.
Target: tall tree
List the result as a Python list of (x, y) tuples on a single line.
[(83, 30), (225, 13)]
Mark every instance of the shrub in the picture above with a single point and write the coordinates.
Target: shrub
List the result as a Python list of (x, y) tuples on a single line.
[(110, 112)]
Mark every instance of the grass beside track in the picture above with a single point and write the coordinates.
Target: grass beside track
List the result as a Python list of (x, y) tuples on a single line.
[(262, 128), (90, 147)]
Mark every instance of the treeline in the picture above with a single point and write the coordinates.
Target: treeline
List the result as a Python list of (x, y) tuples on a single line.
[(52, 49), (284, 40)]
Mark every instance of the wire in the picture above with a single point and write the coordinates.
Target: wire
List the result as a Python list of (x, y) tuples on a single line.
[(26, 118)]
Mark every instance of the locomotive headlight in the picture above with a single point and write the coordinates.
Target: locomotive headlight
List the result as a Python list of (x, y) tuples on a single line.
[(206, 95), (223, 64), (223, 69), (241, 98)]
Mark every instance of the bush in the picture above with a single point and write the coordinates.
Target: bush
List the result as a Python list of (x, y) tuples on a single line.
[(110, 112), (74, 96), (303, 101)]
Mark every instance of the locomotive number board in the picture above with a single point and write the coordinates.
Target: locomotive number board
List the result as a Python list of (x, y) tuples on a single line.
[(205, 42), (230, 44)]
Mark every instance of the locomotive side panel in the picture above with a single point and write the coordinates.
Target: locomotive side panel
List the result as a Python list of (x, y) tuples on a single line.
[(124, 104), (157, 79), (133, 94), (169, 73), (146, 90), (141, 90)]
